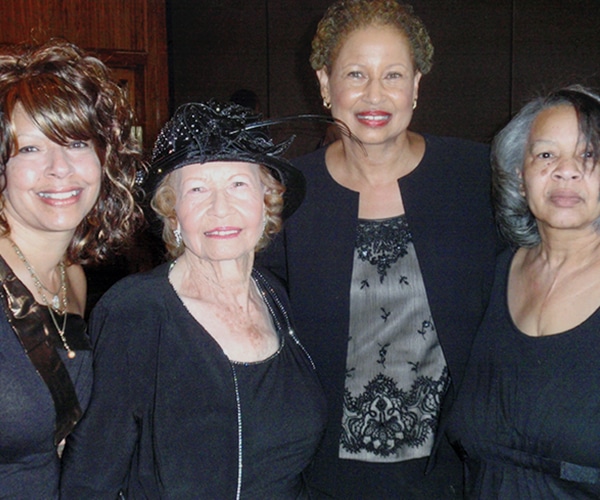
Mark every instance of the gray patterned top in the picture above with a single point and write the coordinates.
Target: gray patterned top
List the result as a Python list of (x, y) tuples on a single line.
[(396, 373)]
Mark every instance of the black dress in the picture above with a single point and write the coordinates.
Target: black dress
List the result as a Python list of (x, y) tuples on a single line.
[(527, 418), (172, 417)]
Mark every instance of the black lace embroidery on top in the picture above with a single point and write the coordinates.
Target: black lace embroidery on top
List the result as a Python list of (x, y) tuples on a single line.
[(384, 418), (382, 242)]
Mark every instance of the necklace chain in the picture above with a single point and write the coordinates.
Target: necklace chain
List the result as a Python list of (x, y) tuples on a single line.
[(53, 307)]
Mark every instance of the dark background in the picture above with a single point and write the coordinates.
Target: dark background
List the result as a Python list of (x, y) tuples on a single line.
[(491, 56)]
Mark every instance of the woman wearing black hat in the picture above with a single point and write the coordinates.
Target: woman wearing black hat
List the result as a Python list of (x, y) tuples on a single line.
[(202, 389)]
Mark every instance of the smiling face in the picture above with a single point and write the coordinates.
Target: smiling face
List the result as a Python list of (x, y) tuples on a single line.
[(49, 187), (372, 84), (220, 209), (562, 188)]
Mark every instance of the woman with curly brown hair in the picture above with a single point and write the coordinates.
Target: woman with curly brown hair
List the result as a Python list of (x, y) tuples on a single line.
[(68, 168), (388, 261)]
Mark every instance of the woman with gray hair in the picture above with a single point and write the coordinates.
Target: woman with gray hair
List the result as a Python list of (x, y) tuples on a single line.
[(526, 420)]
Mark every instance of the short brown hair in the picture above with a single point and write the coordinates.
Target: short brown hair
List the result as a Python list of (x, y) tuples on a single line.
[(69, 95), (346, 16)]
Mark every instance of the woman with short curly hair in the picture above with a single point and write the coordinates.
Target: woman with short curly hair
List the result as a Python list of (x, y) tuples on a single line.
[(388, 260)]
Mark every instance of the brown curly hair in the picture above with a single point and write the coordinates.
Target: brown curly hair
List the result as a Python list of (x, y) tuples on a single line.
[(69, 95), (164, 200), (346, 16)]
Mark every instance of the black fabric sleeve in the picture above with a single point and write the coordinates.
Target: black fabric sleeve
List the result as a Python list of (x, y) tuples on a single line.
[(99, 452)]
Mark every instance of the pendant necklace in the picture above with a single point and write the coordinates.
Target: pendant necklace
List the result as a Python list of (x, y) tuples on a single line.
[(53, 305)]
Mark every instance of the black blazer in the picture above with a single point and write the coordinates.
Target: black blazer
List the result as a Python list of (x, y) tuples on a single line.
[(448, 208)]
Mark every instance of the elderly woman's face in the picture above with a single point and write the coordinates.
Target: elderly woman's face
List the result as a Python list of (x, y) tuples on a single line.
[(562, 189), (372, 84), (220, 209)]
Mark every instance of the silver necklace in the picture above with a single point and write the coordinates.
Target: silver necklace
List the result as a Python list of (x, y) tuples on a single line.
[(54, 305)]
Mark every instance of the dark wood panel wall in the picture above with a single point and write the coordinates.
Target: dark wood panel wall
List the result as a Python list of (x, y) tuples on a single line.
[(129, 35), (491, 56)]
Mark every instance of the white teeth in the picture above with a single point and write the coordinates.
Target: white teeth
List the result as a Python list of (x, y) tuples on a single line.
[(379, 118), (221, 233), (59, 196)]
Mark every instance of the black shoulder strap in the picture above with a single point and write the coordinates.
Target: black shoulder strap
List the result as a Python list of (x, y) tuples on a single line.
[(26, 320)]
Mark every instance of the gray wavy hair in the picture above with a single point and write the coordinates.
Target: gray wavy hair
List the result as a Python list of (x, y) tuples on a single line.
[(514, 218)]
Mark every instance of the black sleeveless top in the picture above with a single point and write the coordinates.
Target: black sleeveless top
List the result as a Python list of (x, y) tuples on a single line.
[(527, 418)]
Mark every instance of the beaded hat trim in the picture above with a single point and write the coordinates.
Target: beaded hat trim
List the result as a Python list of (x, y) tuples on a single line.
[(211, 131)]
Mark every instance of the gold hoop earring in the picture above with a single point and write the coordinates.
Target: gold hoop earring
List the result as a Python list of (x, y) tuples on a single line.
[(326, 104), (414, 104)]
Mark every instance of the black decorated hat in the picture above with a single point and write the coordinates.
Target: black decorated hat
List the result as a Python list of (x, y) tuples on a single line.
[(209, 132)]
